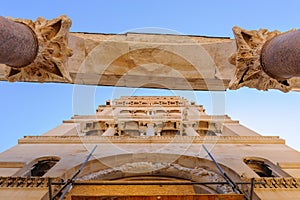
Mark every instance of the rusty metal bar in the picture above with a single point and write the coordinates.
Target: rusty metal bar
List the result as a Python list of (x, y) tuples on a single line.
[(18, 43), (67, 185), (280, 56), (50, 188), (252, 188), (233, 185)]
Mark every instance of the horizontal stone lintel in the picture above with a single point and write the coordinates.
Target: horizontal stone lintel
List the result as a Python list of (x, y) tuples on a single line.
[(146, 60)]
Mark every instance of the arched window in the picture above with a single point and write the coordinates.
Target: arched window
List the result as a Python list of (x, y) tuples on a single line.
[(42, 166), (264, 168)]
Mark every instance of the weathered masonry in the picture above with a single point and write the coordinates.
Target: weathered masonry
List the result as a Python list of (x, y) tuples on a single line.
[(258, 59)]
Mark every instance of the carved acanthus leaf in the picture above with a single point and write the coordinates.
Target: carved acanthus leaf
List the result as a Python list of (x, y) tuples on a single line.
[(247, 61), (51, 61)]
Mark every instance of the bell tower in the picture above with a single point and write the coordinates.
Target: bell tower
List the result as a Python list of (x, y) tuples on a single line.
[(150, 147)]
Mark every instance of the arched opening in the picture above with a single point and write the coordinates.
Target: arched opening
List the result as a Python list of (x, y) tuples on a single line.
[(264, 168), (130, 167), (42, 167), (38, 167)]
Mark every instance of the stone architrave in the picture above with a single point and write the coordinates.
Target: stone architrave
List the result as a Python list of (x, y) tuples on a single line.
[(147, 60)]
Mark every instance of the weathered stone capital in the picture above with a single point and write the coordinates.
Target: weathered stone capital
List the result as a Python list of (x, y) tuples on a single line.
[(50, 63), (249, 71)]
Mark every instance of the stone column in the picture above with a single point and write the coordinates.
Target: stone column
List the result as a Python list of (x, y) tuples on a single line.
[(18, 43), (191, 132), (150, 129), (109, 132), (280, 56)]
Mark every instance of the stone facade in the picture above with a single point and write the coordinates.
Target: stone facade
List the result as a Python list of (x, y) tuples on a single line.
[(150, 146)]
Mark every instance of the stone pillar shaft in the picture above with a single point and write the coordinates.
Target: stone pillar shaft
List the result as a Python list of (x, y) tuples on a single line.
[(18, 43), (280, 56)]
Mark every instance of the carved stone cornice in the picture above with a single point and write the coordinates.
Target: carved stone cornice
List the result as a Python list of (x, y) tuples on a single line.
[(25, 182), (50, 63), (249, 71), (277, 183), (151, 139)]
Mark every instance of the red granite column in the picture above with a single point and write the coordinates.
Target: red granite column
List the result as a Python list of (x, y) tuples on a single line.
[(18, 43), (280, 56)]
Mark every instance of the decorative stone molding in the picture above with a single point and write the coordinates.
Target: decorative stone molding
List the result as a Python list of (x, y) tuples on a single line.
[(51, 61), (12, 164), (149, 168), (249, 71), (25, 182), (151, 139), (277, 183), (289, 165)]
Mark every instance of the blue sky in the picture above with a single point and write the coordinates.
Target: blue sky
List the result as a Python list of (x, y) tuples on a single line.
[(31, 109)]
